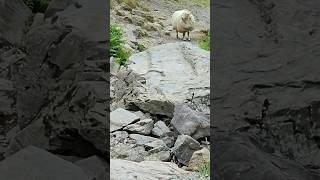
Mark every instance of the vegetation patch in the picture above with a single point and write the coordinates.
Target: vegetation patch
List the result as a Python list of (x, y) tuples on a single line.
[(37, 6), (203, 3), (117, 49), (204, 43), (204, 171)]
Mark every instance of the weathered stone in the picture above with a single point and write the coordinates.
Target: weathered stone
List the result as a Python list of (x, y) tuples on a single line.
[(199, 159), (141, 127), (14, 15), (129, 152), (189, 122), (184, 148), (38, 20), (160, 129), (142, 140), (156, 144), (94, 167), (182, 64), (32, 163), (126, 170), (121, 118)]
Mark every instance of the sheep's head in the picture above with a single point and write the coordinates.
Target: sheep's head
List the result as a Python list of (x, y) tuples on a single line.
[(188, 18)]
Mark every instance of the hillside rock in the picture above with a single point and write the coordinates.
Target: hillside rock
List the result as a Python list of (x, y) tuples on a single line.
[(184, 148), (120, 118), (160, 129), (141, 127), (267, 83), (94, 167), (34, 163), (14, 17), (179, 71), (152, 170)]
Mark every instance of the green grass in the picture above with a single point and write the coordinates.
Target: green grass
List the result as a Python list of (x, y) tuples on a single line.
[(204, 43), (37, 6), (204, 171), (117, 49)]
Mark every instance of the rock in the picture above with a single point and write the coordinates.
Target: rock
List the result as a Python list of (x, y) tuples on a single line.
[(189, 122), (127, 170), (114, 66), (160, 129), (239, 152), (94, 167), (165, 156), (34, 134), (190, 75), (32, 163), (141, 115), (141, 127), (151, 26), (198, 159), (169, 140), (11, 133), (129, 152), (142, 140), (121, 118), (56, 6), (118, 137), (156, 144), (14, 15), (37, 20), (184, 148)]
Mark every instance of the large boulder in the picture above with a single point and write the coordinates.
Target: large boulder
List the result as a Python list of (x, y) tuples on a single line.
[(127, 170), (34, 163), (180, 71), (162, 76)]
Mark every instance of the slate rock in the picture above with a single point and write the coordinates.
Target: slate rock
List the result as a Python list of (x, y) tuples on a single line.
[(184, 148), (121, 118)]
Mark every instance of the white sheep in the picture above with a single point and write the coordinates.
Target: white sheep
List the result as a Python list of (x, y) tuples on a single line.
[(183, 21)]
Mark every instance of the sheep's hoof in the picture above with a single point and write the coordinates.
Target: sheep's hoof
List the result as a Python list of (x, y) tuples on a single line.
[(184, 39), (189, 39)]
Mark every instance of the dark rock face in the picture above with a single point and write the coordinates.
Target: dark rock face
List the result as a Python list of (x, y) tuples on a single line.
[(267, 87), (54, 84)]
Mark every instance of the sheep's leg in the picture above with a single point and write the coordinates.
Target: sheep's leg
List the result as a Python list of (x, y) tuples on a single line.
[(177, 34), (184, 33), (189, 36)]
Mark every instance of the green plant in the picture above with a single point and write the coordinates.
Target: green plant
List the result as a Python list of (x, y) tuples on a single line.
[(204, 43), (204, 170), (117, 49), (37, 6), (141, 47)]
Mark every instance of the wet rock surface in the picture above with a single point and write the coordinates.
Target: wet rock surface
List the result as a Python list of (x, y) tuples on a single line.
[(266, 88)]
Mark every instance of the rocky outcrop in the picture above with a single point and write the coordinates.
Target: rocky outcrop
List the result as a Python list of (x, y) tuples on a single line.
[(56, 97), (122, 170), (266, 88), (35, 163)]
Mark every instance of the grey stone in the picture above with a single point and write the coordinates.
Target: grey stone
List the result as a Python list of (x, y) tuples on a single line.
[(160, 129), (129, 152), (38, 20), (156, 144), (184, 148), (127, 170), (94, 167), (189, 122), (32, 163), (14, 15), (141, 127), (121, 118), (142, 140), (180, 71)]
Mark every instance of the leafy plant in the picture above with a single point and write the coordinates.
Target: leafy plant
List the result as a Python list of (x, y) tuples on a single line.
[(37, 6), (204, 43), (204, 171), (117, 49)]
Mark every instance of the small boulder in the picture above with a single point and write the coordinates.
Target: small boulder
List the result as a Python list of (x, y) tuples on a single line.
[(198, 159), (141, 127), (94, 167), (190, 122), (120, 118), (142, 140), (184, 148), (160, 129)]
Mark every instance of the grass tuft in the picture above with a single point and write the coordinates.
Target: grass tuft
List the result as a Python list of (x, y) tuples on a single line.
[(204, 43), (117, 49)]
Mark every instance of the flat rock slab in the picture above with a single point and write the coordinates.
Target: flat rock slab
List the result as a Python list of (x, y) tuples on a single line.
[(151, 170), (120, 118), (33, 163), (95, 167), (176, 69)]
